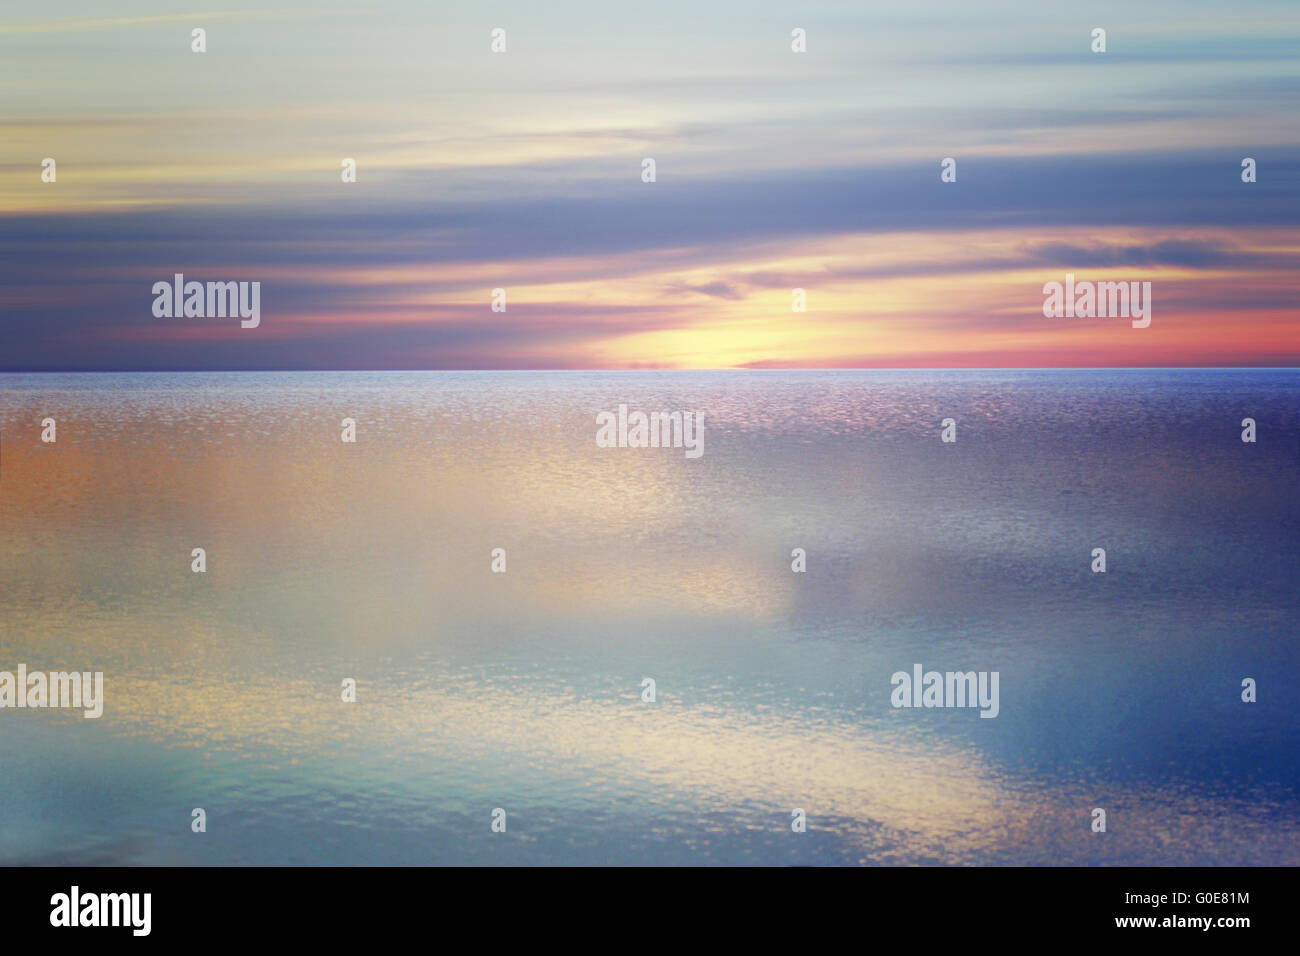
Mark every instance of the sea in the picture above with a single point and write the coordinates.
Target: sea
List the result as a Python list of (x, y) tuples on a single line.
[(569, 654)]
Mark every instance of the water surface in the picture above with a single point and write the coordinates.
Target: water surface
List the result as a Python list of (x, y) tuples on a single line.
[(522, 690)]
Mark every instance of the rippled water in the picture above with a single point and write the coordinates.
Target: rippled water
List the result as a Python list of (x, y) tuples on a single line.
[(522, 690)]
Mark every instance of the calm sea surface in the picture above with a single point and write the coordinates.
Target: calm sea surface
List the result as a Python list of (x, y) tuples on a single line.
[(522, 690)]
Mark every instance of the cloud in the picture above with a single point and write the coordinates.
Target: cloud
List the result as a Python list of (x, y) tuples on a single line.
[(1192, 253), (716, 289)]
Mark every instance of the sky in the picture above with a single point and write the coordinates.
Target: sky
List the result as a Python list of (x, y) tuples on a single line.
[(774, 171)]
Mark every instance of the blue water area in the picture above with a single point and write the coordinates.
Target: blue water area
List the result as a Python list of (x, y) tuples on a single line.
[(524, 690)]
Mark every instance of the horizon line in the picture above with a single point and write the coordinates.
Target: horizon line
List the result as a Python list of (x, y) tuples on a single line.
[(911, 368)]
